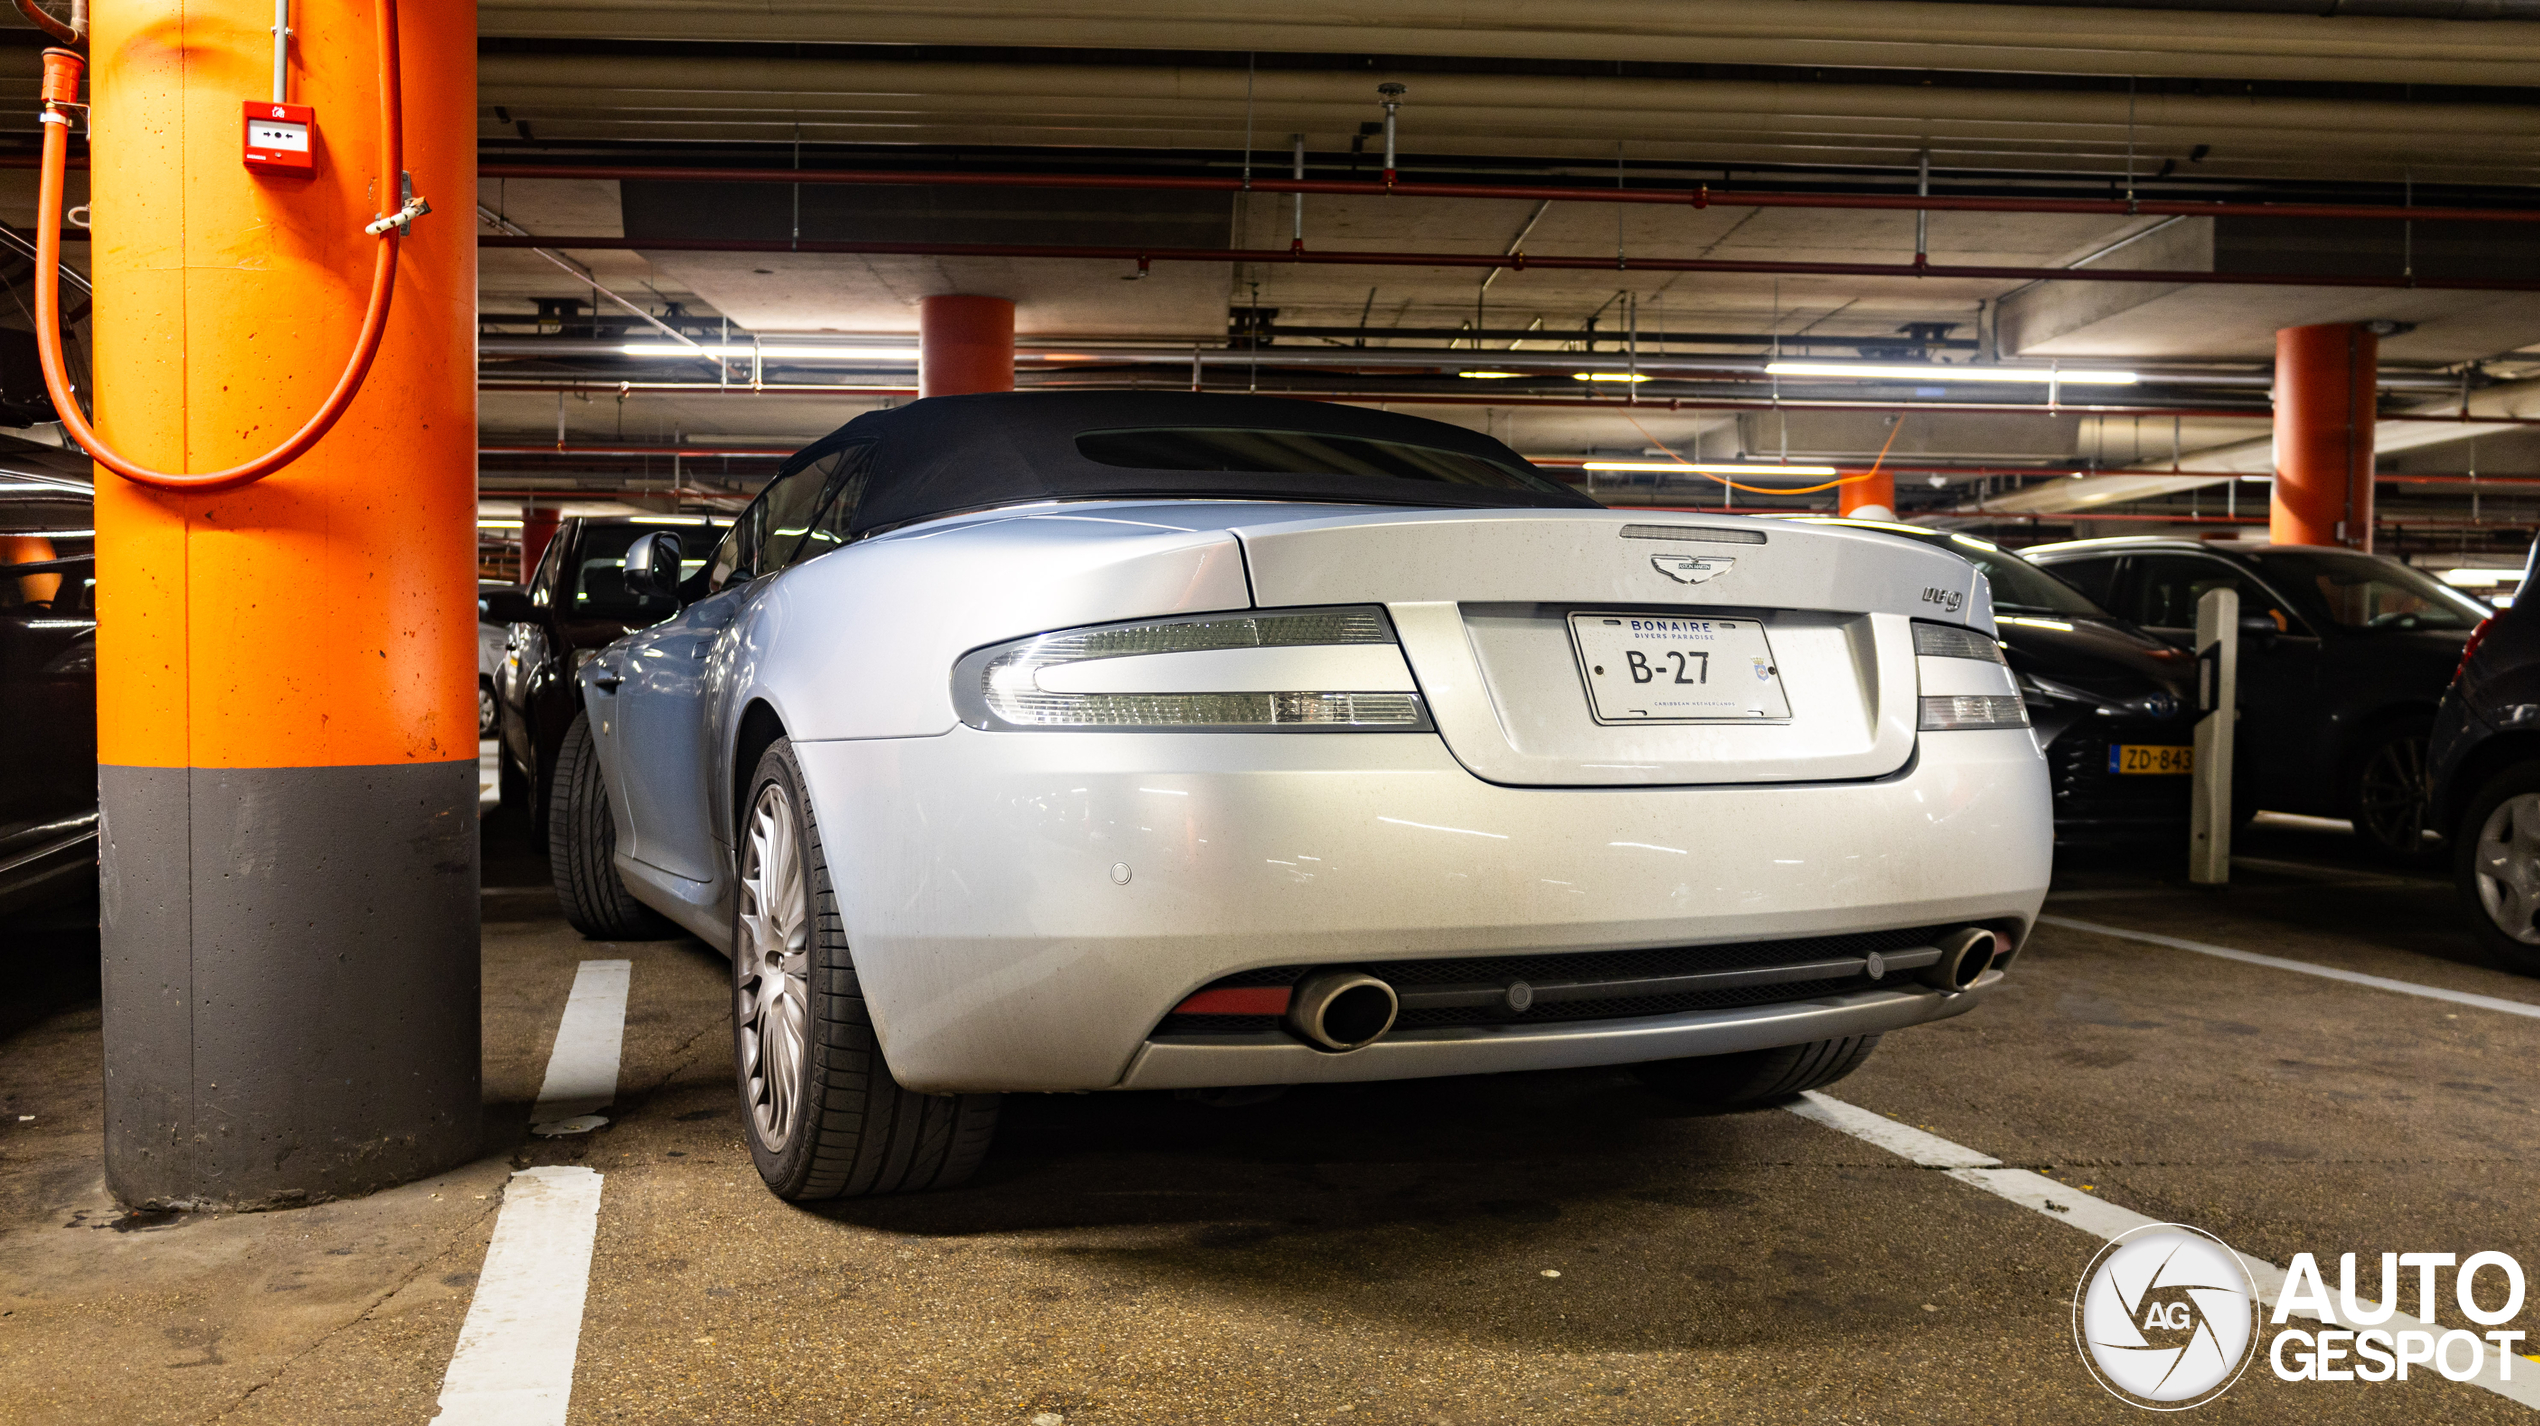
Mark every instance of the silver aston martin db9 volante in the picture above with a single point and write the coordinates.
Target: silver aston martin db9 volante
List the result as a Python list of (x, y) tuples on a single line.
[(1083, 741)]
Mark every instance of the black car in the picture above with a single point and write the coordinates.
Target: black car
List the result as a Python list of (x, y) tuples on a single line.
[(2486, 759), (2113, 707), (2343, 658), (576, 603), (48, 678)]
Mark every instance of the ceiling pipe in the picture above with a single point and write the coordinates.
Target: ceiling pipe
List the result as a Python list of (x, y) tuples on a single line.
[(1969, 472), (1057, 354), (1520, 261), (603, 386), (1700, 196)]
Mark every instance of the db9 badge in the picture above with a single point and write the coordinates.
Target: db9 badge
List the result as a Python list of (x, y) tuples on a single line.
[(1645, 668)]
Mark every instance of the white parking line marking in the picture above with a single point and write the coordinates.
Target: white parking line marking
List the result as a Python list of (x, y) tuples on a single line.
[(582, 1069), (2089, 1213), (2403, 987), (514, 1364)]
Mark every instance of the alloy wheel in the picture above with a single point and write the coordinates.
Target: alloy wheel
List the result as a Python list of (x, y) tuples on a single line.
[(2393, 796), (2506, 863), (772, 967)]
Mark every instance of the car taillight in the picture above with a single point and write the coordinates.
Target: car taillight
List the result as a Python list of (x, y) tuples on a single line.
[(1283, 670), (2469, 649)]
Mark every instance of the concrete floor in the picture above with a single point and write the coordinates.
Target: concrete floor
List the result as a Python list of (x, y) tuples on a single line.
[(1370, 1255)]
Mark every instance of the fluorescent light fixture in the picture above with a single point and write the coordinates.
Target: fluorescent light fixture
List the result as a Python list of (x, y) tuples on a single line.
[(1925, 371), (2459, 577), (1489, 375), (1607, 376), (668, 520), (1708, 468), (742, 351), (498, 524)]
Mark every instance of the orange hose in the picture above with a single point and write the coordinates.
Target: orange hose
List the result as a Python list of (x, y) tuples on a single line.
[(62, 70)]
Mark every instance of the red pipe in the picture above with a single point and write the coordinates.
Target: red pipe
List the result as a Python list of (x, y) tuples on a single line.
[(1703, 196), (1519, 261), (1616, 404), (720, 452)]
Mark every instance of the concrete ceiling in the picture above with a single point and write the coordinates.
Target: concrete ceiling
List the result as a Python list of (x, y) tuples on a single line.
[(2066, 99)]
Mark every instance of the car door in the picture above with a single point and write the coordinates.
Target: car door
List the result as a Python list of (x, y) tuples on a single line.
[(670, 702), (2282, 725)]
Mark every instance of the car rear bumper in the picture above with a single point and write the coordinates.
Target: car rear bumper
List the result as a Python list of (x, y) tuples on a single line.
[(1025, 908), (1195, 1062)]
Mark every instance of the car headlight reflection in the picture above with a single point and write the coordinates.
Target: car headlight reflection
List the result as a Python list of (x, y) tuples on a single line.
[(1274, 670)]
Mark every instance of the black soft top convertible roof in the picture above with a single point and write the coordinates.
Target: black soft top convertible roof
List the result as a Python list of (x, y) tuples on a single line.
[(948, 454)]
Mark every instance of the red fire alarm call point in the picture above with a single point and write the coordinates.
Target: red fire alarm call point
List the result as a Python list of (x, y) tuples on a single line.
[(278, 138)]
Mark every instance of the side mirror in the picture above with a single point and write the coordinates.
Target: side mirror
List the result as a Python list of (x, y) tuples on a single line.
[(2258, 626), (505, 606), (651, 566)]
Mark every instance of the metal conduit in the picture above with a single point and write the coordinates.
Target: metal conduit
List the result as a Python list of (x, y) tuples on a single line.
[(1700, 196), (1056, 353), (1520, 261), (1971, 472)]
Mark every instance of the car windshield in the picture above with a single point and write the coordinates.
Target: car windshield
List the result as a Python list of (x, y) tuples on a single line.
[(2018, 586), (1264, 452), (2361, 591)]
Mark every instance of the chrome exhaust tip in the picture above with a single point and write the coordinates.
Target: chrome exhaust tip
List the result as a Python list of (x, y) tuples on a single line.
[(1964, 954), (1341, 1010)]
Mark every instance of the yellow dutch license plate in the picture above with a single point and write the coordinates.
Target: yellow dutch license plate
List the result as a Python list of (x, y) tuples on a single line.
[(2145, 760)]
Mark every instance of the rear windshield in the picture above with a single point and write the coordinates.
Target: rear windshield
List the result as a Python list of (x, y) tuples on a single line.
[(1262, 452)]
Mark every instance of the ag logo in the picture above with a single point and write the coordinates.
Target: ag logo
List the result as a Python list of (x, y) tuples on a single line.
[(1692, 569), (2166, 1317)]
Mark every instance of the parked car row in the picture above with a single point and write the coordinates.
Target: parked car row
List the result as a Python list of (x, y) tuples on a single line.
[(2343, 660)]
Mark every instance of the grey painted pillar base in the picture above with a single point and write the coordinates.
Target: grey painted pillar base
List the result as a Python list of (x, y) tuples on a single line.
[(291, 980)]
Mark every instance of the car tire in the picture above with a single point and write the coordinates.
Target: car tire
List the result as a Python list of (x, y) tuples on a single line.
[(824, 1118), (1751, 1079), (582, 849), (486, 709), (2496, 866), (2390, 795)]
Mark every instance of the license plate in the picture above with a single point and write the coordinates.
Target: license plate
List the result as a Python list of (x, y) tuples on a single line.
[(1643, 668), (2146, 760)]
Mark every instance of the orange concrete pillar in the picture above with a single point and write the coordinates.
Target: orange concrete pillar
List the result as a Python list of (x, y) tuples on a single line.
[(538, 524), (2324, 383), (286, 727), (964, 344), (1871, 499)]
